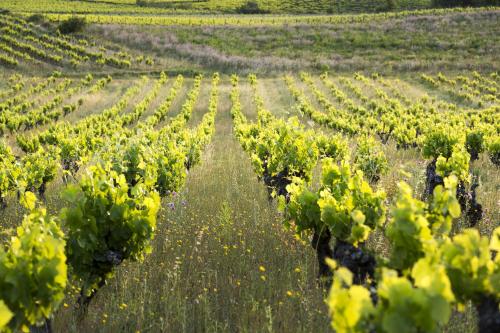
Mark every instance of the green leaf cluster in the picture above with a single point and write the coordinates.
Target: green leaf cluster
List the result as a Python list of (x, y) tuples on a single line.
[(457, 164), (345, 203), (371, 159), (415, 226), (107, 222), (33, 271), (440, 142)]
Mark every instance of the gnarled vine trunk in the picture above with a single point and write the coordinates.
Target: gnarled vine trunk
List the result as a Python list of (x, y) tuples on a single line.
[(321, 243), (361, 263), (462, 196), (475, 211), (432, 179), (488, 315), (45, 328), (114, 258)]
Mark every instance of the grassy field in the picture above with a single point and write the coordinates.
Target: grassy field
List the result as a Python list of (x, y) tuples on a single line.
[(222, 260), (451, 43)]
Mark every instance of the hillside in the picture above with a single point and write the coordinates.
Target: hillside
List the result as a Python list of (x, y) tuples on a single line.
[(431, 40)]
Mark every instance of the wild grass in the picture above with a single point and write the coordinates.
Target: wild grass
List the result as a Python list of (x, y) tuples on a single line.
[(454, 42)]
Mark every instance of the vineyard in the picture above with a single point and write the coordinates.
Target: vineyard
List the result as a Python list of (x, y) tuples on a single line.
[(209, 6), (142, 191), (24, 44), (249, 20)]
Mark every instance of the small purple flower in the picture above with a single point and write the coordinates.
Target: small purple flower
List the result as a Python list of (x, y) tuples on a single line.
[(171, 205), (174, 194), (184, 203)]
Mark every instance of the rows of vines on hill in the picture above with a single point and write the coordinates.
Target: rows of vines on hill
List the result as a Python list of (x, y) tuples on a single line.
[(251, 20), (23, 42)]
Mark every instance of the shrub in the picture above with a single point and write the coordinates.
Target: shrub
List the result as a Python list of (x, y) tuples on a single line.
[(251, 7), (72, 25), (390, 5), (464, 3), (35, 18)]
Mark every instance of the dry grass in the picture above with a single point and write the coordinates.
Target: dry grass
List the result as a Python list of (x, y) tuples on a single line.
[(428, 43)]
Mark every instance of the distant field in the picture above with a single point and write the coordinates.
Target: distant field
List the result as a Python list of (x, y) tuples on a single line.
[(208, 6), (428, 40), (455, 41)]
